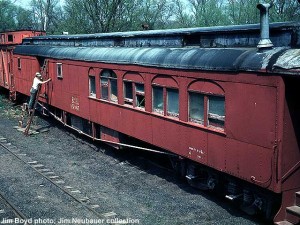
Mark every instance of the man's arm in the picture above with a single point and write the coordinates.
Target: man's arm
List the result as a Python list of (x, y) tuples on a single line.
[(43, 82)]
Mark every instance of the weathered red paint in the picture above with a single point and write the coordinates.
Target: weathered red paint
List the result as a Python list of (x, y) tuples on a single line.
[(251, 136), (260, 140), (7, 42), (16, 37)]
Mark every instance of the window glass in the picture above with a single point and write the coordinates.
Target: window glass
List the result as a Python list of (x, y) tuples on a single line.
[(92, 86), (158, 103), (128, 90), (172, 103), (10, 38), (104, 88), (196, 107), (139, 87), (216, 111), (140, 95), (59, 70), (105, 73), (140, 101), (19, 63), (109, 86), (114, 90)]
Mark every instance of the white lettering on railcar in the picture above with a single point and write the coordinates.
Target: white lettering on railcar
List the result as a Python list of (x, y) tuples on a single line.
[(75, 103), (199, 152)]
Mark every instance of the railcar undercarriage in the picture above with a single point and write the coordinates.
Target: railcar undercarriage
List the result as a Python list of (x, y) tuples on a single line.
[(251, 199)]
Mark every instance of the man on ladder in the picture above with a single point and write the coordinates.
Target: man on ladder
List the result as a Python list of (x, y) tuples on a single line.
[(34, 95), (34, 90)]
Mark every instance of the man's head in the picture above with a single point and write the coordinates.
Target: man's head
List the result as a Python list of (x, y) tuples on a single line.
[(38, 75)]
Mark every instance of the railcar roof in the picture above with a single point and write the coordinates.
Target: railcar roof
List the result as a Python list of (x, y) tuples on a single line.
[(281, 34), (180, 31), (214, 59)]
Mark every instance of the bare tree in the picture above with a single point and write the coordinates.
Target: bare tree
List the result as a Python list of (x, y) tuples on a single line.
[(243, 11), (45, 14), (102, 13), (285, 10), (209, 12), (183, 17)]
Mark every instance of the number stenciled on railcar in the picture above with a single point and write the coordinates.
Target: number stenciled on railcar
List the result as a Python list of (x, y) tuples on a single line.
[(75, 103), (199, 152)]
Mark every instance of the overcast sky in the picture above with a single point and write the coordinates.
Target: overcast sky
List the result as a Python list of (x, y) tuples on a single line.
[(25, 3)]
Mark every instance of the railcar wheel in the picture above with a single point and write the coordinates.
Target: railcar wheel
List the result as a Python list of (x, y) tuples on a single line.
[(201, 178)]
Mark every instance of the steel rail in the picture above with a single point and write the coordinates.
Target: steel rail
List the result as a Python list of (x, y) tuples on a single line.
[(99, 215), (15, 210)]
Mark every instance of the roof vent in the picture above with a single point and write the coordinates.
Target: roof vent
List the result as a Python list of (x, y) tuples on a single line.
[(265, 41)]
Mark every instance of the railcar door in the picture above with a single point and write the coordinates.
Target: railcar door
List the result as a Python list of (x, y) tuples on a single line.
[(43, 63), (4, 68)]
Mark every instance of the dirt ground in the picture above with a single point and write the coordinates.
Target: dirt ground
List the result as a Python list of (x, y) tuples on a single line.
[(123, 182)]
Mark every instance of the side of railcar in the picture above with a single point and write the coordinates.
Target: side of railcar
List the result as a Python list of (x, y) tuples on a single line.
[(228, 122)]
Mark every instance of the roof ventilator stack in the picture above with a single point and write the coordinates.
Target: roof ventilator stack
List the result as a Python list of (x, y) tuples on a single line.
[(265, 41)]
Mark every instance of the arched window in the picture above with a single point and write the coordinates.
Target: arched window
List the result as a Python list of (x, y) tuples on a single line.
[(134, 90), (109, 86), (165, 96), (206, 104)]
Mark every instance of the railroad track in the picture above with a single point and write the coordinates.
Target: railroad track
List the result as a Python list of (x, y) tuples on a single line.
[(55, 180), (11, 213)]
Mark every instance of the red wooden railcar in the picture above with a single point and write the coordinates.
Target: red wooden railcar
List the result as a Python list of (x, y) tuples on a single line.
[(8, 40), (228, 110)]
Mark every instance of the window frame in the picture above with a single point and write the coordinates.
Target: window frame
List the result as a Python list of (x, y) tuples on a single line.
[(10, 38), (91, 93), (164, 111), (201, 111), (157, 110), (19, 63), (213, 116), (138, 94), (111, 79), (128, 101), (2, 38), (133, 102), (167, 83), (206, 113), (59, 70)]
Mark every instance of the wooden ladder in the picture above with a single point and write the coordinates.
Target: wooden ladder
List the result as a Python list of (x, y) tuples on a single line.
[(28, 124), (26, 131)]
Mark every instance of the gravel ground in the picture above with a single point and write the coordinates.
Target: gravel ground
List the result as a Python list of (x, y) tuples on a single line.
[(130, 187)]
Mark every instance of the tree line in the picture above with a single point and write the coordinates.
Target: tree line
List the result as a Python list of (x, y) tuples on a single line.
[(100, 16)]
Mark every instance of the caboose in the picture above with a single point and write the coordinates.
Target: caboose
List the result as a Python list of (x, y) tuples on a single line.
[(8, 40), (223, 100)]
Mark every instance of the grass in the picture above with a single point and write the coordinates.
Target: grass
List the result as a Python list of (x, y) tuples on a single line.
[(8, 109)]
